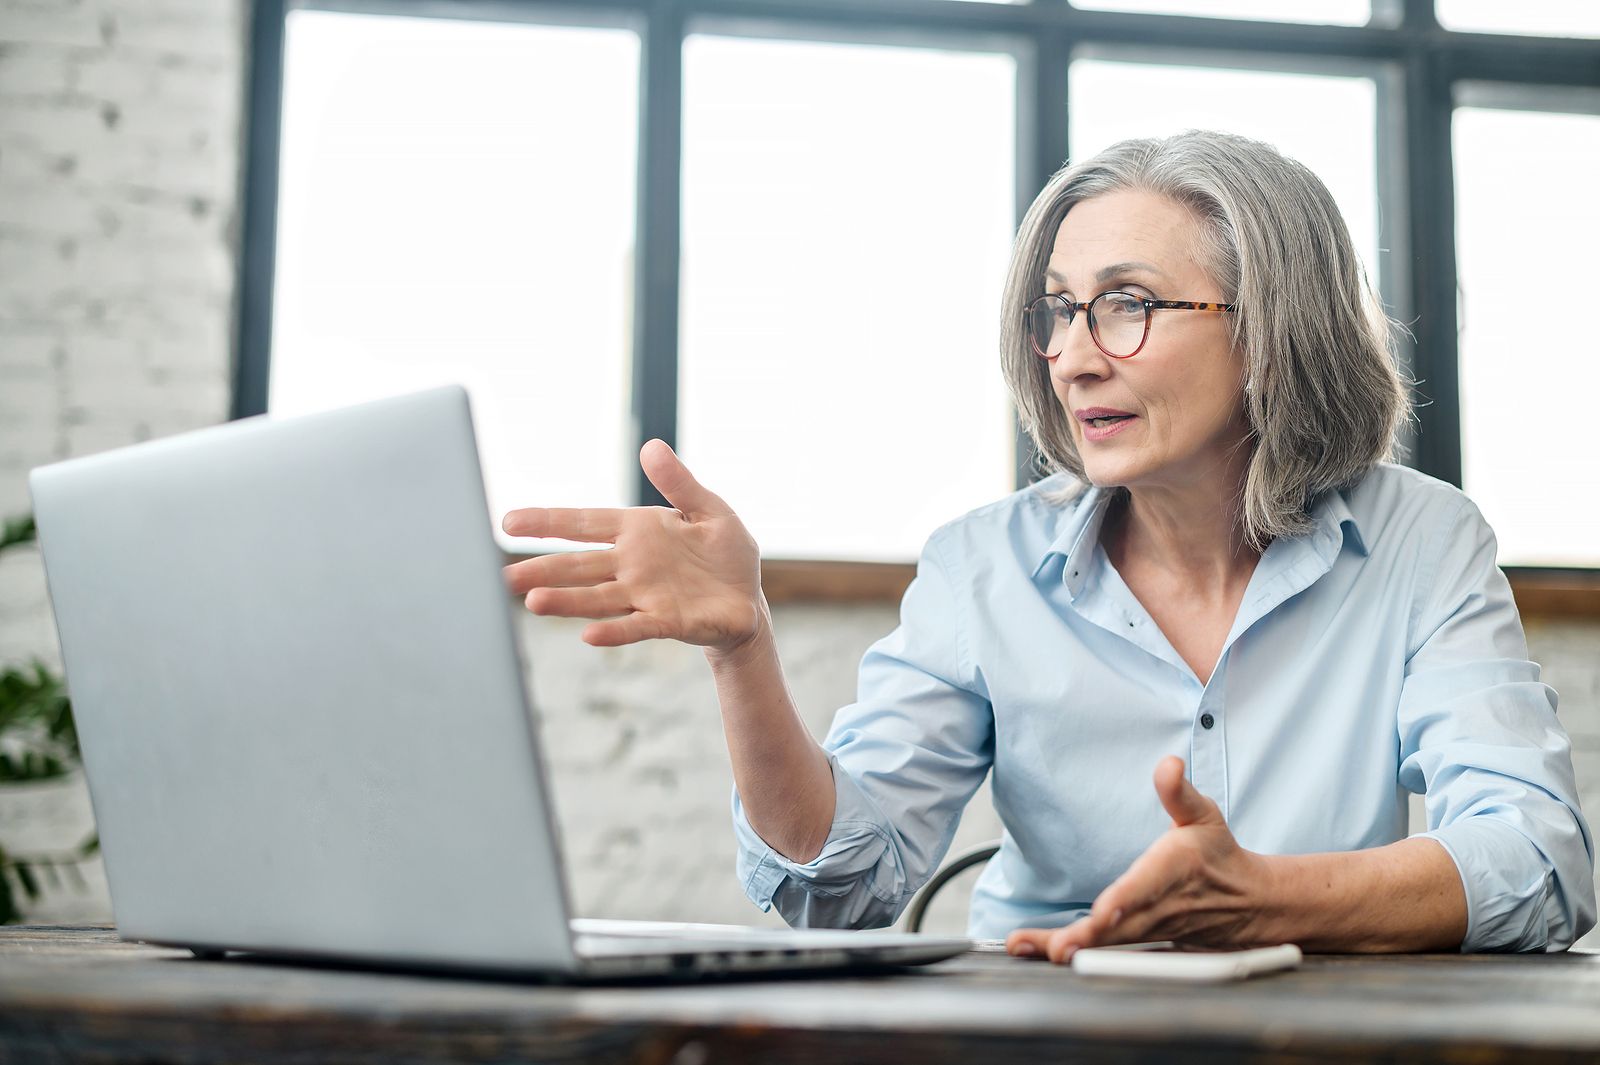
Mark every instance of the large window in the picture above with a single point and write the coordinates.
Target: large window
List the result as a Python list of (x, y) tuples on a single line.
[(1559, 18), (456, 203), (1530, 358), (1115, 100), (847, 216), (1338, 12), (776, 234)]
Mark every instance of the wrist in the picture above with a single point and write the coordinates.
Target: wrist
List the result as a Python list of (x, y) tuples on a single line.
[(1275, 898), (1325, 902), (752, 647)]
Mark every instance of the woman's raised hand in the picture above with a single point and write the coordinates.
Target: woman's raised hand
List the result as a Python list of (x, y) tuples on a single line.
[(691, 574)]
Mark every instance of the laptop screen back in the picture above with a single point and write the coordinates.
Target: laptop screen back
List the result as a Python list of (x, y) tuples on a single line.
[(294, 671)]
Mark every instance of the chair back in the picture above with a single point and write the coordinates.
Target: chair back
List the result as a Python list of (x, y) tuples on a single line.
[(952, 868)]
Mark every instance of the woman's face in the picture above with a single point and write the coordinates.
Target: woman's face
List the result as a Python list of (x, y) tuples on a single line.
[(1183, 390)]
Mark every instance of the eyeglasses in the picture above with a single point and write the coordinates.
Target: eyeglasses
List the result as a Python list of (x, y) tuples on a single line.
[(1119, 321)]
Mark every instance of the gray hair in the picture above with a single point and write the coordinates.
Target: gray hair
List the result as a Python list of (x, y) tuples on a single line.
[(1323, 397)]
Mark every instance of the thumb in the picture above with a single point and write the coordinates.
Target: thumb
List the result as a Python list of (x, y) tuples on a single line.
[(672, 479), (1183, 803)]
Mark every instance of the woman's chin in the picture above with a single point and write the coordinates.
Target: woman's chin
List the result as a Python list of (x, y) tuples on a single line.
[(1103, 474)]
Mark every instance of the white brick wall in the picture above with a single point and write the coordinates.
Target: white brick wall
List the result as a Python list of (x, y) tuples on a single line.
[(119, 165), (119, 160)]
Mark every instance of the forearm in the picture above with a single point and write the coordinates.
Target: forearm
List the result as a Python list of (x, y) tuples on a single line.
[(784, 780), (1406, 896)]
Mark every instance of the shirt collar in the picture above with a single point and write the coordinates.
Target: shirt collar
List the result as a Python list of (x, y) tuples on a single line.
[(1333, 517), (1080, 532), (1075, 540)]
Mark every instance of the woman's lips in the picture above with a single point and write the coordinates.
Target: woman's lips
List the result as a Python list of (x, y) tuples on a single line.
[(1109, 429)]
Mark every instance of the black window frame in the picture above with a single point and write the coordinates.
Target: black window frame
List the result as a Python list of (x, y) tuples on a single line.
[(1417, 66)]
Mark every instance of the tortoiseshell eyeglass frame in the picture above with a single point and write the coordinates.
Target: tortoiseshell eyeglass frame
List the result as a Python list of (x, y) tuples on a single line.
[(1073, 307)]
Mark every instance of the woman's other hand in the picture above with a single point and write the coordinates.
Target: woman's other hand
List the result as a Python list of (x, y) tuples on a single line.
[(692, 573), (1195, 885)]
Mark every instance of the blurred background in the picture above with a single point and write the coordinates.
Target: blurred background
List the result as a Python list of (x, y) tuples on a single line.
[(771, 232)]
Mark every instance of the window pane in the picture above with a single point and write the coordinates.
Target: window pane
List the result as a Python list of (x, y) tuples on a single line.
[(1530, 360), (1336, 12), (847, 218), (1553, 18), (1112, 101), (456, 204)]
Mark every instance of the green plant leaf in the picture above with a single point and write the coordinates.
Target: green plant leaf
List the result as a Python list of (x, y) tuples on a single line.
[(58, 871), (35, 709), (35, 712), (19, 530), (26, 878), (9, 913)]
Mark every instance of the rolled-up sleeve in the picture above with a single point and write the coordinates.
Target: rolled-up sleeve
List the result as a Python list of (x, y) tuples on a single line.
[(1480, 738), (906, 756)]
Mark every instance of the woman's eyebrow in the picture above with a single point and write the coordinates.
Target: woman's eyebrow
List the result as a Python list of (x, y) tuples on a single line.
[(1114, 270)]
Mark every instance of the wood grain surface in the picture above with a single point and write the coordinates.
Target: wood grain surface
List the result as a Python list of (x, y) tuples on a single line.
[(81, 994)]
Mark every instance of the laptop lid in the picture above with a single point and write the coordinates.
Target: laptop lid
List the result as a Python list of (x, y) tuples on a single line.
[(294, 671)]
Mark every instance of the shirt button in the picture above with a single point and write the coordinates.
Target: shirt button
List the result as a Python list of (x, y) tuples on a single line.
[(1206, 721)]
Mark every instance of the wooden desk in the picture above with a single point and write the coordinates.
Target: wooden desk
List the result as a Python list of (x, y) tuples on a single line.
[(77, 994)]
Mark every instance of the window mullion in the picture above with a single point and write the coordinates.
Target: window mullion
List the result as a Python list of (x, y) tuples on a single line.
[(1042, 117), (1431, 200), (252, 352), (655, 303)]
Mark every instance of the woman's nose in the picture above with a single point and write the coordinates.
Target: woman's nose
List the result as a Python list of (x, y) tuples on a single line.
[(1078, 353)]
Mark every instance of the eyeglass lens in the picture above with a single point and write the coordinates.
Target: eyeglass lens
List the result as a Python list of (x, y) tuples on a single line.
[(1116, 319)]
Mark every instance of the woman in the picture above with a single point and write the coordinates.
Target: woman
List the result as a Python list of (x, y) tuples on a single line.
[(1224, 581)]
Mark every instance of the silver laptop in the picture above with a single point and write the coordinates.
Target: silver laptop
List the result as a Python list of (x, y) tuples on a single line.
[(293, 663)]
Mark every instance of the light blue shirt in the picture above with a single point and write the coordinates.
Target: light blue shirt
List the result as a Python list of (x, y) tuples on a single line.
[(1377, 655)]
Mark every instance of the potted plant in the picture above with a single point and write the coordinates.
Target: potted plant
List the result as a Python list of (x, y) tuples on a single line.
[(38, 746)]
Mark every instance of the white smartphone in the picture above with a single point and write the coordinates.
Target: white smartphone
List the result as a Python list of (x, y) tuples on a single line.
[(1204, 966)]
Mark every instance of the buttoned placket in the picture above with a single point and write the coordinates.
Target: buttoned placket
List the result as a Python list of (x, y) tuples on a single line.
[(1097, 593)]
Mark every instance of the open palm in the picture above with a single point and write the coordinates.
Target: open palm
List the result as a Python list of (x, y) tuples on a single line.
[(692, 573)]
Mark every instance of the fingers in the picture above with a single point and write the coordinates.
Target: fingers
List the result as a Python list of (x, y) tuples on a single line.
[(607, 600), (672, 479), (1183, 803), (1095, 929), (1123, 913), (630, 629), (1131, 903), (588, 524), (1028, 942), (566, 570), (1145, 899), (1060, 944), (1154, 877), (1090, 931)]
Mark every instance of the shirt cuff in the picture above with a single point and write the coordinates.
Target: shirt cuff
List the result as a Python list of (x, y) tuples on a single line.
[(858, 862), (1508, 884)]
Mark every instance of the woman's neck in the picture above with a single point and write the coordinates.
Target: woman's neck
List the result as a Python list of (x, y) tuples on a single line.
[(1192, 535)]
